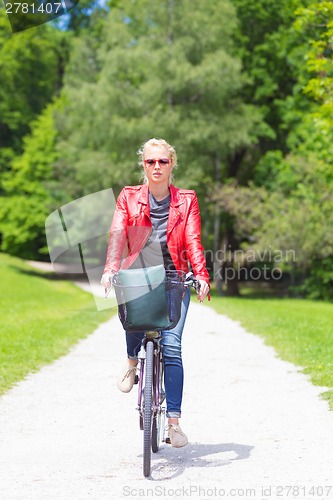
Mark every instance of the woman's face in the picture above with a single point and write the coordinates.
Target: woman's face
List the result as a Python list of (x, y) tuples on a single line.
[(157, 172)]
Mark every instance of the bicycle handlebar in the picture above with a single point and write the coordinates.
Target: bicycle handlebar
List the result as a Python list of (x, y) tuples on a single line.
[(190, 280)]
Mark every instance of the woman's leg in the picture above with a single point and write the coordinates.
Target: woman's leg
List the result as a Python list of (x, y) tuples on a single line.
[(125, 380), (133, 344), (173, 365)]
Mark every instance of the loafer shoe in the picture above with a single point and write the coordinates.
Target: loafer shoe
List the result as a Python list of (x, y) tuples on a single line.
[(176, 436), (126, 378)]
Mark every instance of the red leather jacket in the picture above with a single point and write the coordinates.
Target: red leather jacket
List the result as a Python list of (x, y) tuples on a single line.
[(131, 227)]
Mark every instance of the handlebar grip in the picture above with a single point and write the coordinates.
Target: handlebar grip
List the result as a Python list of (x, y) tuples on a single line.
[(190, 280)]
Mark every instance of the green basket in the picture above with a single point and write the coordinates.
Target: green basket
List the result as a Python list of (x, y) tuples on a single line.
[(142, 298)]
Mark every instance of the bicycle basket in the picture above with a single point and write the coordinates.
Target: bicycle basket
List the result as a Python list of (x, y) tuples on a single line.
[(149, 298)]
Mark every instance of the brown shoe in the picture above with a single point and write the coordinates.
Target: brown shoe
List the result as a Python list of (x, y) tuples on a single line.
[(176, 436), (126, 378)]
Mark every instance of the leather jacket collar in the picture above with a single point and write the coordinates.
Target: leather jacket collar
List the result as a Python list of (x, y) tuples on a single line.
[(175, 199)]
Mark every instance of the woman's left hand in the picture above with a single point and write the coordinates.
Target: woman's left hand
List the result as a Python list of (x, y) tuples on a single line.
[(204, 290)]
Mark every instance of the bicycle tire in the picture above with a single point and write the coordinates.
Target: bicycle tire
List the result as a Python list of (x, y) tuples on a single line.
[(157, 420), (148, 410)]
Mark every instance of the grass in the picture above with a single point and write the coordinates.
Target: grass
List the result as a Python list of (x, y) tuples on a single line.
[(301, 331), (41, 318)]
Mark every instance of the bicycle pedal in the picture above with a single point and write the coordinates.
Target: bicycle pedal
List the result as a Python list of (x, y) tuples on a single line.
[(168, 440), (136, 379)]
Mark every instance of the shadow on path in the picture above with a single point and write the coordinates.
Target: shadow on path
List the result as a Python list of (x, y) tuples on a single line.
[(172, 462)]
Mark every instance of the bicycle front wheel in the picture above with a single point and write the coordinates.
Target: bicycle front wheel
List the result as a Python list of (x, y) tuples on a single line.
[(148, 408), (159, 417)]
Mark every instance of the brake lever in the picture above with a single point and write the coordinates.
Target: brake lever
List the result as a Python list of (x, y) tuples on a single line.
[(193, 282)]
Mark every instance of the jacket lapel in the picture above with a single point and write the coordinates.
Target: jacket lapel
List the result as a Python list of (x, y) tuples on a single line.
[(175, 212), (143, 200)]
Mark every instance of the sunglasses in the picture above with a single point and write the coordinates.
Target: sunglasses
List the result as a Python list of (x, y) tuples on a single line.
[(161, 161)]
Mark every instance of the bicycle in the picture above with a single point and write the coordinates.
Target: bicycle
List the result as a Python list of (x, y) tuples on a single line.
[(150, 380)]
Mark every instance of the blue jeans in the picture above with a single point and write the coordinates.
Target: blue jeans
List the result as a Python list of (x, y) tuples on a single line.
[(172, 357)]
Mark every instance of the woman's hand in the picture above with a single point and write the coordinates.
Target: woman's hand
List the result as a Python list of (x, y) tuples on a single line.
[(106, 280), (204, 290)]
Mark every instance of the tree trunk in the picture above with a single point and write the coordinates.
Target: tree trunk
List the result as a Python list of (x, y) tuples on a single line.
[(232, 274), (234, 162)]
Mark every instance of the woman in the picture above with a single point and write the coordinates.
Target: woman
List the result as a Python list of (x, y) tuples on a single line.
[(151, 220)]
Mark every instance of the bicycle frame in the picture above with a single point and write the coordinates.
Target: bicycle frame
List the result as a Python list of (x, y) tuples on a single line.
[(151, 393)]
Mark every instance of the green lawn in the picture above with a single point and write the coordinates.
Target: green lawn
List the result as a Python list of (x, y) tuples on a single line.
[(301, 331), (41, 318)]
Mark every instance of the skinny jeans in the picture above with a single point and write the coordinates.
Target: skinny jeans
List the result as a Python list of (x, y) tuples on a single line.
[(172, 357)]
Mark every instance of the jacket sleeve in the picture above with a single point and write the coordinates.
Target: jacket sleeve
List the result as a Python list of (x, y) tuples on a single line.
[(194, 248), (118, 235)]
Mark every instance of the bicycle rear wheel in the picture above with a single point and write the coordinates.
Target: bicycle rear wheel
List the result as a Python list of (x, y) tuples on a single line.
[(148, 408)]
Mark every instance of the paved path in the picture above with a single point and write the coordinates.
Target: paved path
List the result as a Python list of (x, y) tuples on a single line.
[(253, 421)]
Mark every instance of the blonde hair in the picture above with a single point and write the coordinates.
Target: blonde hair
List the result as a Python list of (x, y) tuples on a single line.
[(159, 143)]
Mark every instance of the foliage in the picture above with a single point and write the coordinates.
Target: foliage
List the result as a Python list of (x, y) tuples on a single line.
[(86, 15), (289, 204), (315, 81), (319, 283), (296, 216), (317, 21), (299, 212), (243, 88), (264, 41), (167, 70), (267, 45), (31, 68), (306, 175), (30, 193)]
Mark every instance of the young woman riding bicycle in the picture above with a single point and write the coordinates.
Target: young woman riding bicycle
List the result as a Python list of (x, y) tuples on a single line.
[(155, 221)]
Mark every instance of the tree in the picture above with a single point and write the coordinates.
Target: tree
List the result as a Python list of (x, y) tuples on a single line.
[(263, 41), (31, 190), (86, 15), (288, 57), (168, 69), (31, 67)]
